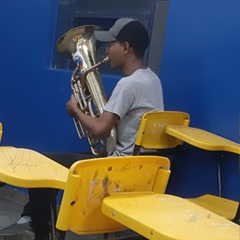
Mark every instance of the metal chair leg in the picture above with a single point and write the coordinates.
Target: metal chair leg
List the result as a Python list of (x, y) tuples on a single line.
[(237, 216), (53, 216), (60, 235)]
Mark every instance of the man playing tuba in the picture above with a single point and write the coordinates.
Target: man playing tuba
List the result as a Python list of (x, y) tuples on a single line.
[(139, 91)]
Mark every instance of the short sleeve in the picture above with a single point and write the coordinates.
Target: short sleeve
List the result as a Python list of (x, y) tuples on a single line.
[(121, 100)]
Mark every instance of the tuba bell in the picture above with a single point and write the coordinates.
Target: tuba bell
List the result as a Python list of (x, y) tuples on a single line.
[(79, 44)]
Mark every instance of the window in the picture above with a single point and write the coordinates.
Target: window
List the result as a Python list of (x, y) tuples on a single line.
[(74, 13)]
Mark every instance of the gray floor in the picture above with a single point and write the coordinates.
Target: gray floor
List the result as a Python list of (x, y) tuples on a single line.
[(11, 205)]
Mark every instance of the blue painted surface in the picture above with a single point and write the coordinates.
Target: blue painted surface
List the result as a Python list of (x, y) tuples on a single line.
[(200, 75)]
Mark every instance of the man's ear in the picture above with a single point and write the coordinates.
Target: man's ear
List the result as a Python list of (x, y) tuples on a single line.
[(126, 46)]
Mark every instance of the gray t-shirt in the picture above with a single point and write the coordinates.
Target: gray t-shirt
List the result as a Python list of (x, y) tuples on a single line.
[(133, 96)]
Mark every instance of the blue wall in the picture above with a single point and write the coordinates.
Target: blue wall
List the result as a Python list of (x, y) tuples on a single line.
[(200, 75)]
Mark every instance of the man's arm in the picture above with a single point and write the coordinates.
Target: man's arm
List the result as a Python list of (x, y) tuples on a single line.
[(98, 127)]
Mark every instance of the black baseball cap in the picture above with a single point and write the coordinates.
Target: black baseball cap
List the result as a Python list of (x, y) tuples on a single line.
[(126, 30)]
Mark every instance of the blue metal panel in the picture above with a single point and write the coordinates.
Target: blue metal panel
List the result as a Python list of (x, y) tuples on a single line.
[(200, 69), (200, 75), (33, 97)]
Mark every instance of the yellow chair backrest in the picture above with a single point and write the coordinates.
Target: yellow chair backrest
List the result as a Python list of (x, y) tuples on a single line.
[(1, 131), (90, 181), (151, 133)]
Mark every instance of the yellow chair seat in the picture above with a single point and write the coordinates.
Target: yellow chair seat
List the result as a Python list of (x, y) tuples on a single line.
[(202, 139), (211, 142), (27, 168), (166, 217), (90, 181), (221, 206)]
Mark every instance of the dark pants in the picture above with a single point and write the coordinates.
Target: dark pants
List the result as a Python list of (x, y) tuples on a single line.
[(40, 199)]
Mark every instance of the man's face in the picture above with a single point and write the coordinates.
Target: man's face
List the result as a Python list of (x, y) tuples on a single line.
[(115, 52)]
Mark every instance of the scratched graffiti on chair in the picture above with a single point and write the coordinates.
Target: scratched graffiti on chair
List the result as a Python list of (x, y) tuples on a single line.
[(99, 189), (93, 185), (26, 161), (102, 185)]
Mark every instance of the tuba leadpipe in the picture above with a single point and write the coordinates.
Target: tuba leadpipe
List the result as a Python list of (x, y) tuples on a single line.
[(79, 44)]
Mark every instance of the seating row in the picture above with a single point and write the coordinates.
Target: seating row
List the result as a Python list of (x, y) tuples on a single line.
[(101, 195)]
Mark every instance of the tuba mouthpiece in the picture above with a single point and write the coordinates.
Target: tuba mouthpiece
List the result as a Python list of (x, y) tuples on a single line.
[(106, 59)]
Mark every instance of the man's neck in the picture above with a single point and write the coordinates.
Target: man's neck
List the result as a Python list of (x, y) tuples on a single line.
[(132, 66)]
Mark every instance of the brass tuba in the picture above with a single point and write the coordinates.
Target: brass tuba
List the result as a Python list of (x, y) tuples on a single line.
[(79, 44)]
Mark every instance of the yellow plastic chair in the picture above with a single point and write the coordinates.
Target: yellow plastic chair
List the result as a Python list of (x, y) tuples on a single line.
[(167, 217), (90, 186), (85, 184), (211, 142), (29, 169), (90, 181), (166, 130), (152, 130), (202, 139), (1, 131), (224, 207)]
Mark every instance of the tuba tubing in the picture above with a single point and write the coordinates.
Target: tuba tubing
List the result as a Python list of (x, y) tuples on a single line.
[(79, 44)]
